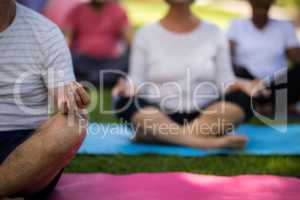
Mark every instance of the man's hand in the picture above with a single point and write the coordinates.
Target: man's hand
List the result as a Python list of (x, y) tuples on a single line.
[(71, 99)]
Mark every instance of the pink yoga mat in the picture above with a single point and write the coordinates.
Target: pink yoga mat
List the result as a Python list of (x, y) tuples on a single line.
[(175, 186)]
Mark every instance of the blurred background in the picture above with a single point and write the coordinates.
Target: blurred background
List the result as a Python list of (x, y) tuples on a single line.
[(219, 11), (145, 11), (142, 12)]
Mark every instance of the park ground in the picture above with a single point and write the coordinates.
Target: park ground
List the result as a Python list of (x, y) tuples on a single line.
[(142, 12)]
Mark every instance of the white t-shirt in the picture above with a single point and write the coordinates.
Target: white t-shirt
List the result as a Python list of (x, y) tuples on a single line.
[(183, 72), (33, 57), (262, 52)]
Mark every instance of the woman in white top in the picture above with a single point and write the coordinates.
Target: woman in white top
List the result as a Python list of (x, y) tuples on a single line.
[(181, 72), (262, 47)]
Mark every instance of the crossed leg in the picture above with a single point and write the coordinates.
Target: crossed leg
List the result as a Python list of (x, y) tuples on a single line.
[(36, 162), (206, 132)]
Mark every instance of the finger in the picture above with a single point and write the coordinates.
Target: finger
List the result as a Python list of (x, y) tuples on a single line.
[(73, 107), (84, 114), (67, 107), (121, 81), (85, 99), (75, 84), (115, 92), (127, 93), (63, 107), (255, 94), (118, 91), (266, 92), (256, 89), (262, 90), (78, 100)]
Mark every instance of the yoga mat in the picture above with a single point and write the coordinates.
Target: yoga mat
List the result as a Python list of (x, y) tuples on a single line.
[(115, 139), (175, 186)]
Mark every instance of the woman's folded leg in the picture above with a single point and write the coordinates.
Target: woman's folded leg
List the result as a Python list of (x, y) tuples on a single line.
[(206, 132)]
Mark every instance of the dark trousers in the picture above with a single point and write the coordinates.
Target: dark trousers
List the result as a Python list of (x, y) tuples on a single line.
[(127, 107), (89, 69), (292, 85), (9, 141)]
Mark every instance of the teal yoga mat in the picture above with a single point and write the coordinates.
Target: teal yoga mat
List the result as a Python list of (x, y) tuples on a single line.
[(110, 139)]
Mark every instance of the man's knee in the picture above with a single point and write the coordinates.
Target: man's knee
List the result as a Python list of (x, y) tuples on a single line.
[(63, 135)]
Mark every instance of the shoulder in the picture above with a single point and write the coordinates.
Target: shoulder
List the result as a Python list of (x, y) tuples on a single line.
[(237, 28), (212, 30), (34, 21), (283, 27), (115, 8), (148, 30), (281, 24), (145, 35), (79, 7), (214, 34), (44, 33), (238, 23), (209, 26), (114, 5)]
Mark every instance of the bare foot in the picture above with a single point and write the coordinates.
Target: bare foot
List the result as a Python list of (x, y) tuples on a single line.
[(234, 142), (265, 109), (135, 138), (144, 138)]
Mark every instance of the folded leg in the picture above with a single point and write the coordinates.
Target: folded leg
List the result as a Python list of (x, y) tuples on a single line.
[(37, 162)]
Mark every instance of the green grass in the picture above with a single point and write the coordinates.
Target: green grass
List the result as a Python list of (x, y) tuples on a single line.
[(141, 12), (102, 102), (213, 165)]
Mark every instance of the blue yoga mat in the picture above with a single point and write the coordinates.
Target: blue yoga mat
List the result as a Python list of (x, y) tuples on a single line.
[(109, 139)]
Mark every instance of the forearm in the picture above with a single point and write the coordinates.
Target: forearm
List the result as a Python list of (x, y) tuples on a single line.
[(241, 85), (293, 54), (237, 85)]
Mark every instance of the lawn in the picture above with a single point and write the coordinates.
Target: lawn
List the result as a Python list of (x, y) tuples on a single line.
[(215, 165), (142, 12)]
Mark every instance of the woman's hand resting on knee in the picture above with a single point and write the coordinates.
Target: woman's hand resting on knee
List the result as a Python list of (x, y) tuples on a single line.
[(124, 89), (253, 88)]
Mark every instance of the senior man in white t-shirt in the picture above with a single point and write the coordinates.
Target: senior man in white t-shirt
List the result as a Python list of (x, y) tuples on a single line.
[(36, 68), (262, 47)]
